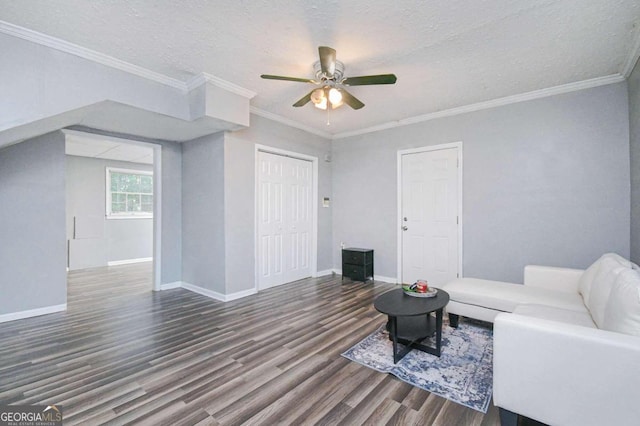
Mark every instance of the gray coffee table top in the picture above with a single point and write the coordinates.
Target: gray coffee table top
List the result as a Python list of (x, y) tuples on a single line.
[(395, 303)]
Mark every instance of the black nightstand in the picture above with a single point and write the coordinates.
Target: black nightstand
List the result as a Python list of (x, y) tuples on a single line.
[(357, 264)]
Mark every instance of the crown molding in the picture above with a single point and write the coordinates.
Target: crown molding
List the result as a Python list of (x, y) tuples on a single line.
[(289, 122), (203, 77), (536, 94), (195, 81), (92, 55), (110, 61), (632, 59)]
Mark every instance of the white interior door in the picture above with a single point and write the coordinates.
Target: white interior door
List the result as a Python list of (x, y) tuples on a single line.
[(298, 220), (284, 219), (429, 217)]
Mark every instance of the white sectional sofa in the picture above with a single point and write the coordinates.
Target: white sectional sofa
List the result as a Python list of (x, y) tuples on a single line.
[(566, 343)]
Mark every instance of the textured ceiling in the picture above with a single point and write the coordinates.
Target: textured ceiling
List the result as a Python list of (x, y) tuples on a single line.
[(446, 53), (96, 146)]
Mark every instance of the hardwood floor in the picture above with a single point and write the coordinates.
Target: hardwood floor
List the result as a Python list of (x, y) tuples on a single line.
[(123, 354)]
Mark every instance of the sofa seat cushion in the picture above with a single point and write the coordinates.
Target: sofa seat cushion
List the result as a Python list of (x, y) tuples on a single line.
[(505, 297), (556, 314)]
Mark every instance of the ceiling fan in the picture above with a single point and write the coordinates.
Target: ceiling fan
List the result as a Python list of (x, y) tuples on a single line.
[(331, 81)]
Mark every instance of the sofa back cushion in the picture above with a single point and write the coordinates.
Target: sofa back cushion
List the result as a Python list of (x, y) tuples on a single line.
[(610, 267), (585, 282), (622, 313)]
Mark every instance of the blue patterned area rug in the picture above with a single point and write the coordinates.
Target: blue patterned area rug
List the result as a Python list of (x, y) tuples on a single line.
[(462, 374)]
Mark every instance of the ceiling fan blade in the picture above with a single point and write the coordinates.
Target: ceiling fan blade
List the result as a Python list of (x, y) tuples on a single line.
[(327, 60), (304, 100), (370, 79), (351, 100), (279, 77)]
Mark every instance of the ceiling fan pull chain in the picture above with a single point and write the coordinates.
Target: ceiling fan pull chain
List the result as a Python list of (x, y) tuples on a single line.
[(328, 122)]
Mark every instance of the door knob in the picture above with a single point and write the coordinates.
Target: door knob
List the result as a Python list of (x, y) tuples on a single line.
[(404, 228)]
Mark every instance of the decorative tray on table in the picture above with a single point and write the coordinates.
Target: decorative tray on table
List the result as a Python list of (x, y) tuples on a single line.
[(411, 291)]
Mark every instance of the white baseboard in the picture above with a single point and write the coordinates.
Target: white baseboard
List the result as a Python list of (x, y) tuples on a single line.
[(129, 261), (382, 278), (391, 280), (169, 286), (33, 312), (204, 291), (240, 294), (324, 273), (209, 293)]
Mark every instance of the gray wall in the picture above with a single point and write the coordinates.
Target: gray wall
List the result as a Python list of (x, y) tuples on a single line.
[(124, 238), (171, 226), (240, 194), (203, 245), (634, 143), (32, 224), (545, 182), (239, 181)]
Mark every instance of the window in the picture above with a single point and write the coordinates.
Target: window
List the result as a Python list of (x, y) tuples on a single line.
[(129, 193)]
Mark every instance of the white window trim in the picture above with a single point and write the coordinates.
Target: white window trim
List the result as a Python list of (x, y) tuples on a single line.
[(128, 215)]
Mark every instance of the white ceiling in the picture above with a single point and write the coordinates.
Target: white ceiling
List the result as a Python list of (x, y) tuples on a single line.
[(83, 144), (445, 53)]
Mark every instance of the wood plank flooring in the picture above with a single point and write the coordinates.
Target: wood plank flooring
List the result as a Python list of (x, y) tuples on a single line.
[(123, 354)]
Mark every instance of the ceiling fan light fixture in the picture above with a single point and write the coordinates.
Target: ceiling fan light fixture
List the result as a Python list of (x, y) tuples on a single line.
[(330, 76), (322, 104), (335, 97), (317, 96)]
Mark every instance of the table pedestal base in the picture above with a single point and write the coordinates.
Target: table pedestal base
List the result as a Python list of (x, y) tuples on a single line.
[(410, 331)]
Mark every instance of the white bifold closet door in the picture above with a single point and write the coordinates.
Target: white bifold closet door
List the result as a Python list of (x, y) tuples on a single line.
[(284, 219)]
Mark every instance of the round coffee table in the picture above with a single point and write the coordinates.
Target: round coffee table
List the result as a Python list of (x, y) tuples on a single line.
[(410, 320)]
